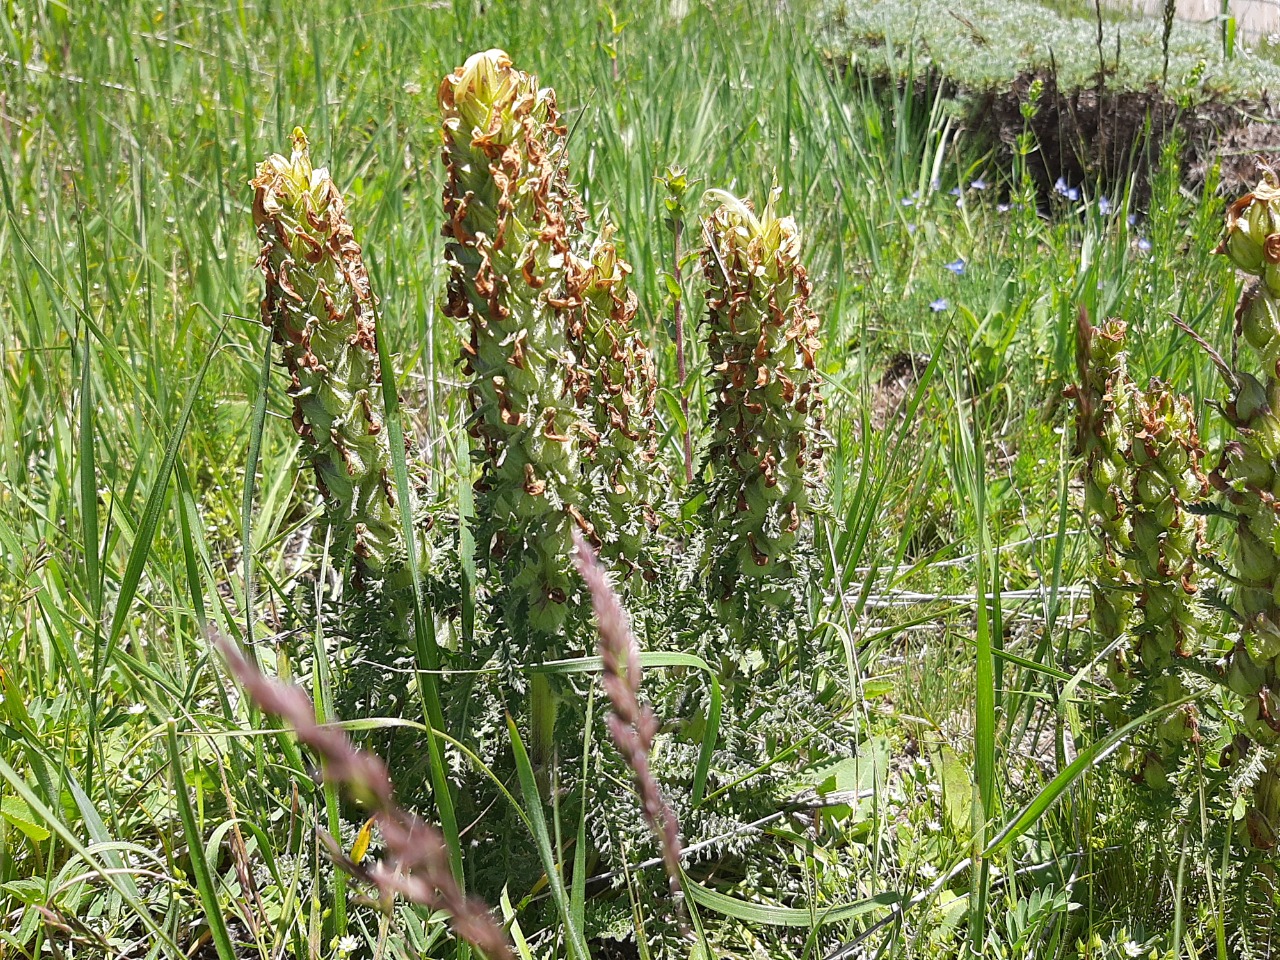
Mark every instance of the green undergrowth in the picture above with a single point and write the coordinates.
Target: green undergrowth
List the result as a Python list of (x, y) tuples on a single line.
[(945, 606)]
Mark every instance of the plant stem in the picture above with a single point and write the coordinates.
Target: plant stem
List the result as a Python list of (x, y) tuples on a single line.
[(677, 230)]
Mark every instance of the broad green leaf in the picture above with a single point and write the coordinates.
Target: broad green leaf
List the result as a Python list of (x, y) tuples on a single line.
[(19, 814), (957, 789)]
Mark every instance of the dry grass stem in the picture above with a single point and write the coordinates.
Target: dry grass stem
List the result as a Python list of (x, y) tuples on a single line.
[(632, 725)]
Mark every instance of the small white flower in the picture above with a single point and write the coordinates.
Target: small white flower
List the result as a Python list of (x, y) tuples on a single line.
[(348, 945)]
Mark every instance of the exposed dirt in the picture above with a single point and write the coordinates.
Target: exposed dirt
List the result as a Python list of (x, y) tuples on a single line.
[(1102, 135), (895, 386), (1091, 134)]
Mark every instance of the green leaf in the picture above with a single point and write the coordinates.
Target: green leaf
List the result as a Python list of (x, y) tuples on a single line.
[(957, 790), (151, 512), (19, 814), (770, 915), (256, 427), (30, 892), (1085, 760), (195, 851), (874, 689), (88, 476), (671, 403)]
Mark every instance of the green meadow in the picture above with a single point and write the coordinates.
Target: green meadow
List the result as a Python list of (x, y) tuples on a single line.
[(918, 752)]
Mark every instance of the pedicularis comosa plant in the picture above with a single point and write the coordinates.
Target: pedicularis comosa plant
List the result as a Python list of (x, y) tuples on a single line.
[(1142, 472), (1146, 495), (560, 395), (766, 412), (1104, 399), (323, 313), (561, 388), (321, 310)]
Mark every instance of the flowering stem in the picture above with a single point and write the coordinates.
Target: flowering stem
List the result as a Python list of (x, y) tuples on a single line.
[(680, 363), (631, 724), (677, 183)]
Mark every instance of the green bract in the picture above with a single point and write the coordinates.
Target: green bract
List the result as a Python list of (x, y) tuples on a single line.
[(1104, 426), (1252, 239), (1167, 478), (321, 311), (765, 420)]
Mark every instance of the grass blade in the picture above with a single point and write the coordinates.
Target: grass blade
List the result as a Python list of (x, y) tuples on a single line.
[(1085, 760), (542, 838), (195, 850), (770, 915), (256, 426), (424, 627), (151, 514)]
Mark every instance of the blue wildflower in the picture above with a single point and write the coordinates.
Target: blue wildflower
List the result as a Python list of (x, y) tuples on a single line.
[(1144, 244), (1064, 189), (1104, 206), (978, 184), (939, 305), (1002, 208), (956, 266)]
